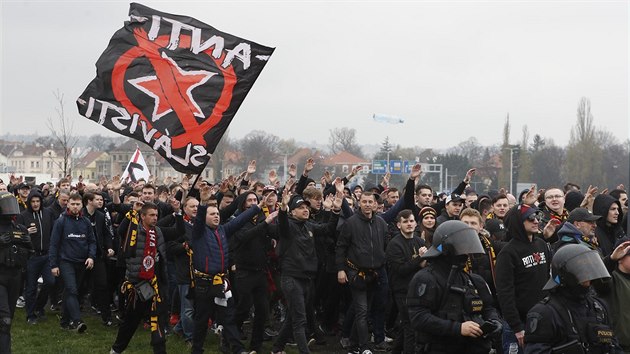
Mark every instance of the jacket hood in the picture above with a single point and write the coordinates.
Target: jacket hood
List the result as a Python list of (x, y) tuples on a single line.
[(242, 198), (514, 225), (34, 194), (602, 204), (570, 230)]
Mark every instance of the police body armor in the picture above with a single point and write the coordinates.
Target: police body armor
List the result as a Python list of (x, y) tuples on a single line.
[(15, 246), (583, 335), (459, 303)]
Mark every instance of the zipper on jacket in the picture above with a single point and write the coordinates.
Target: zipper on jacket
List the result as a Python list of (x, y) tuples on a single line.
[(41, 233), (216, 234)]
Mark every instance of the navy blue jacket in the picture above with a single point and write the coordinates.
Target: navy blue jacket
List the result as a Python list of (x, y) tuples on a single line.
[(72, 240), (210, 246)]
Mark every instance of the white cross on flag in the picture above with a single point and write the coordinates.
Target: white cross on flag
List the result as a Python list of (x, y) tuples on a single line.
[(136, 168)]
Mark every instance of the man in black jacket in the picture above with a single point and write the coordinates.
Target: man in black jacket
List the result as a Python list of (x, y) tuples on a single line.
[(298, 262), (609, 229), (179, 252), (403, 261), (39, 223), (251, 245), (360, 257), (522, 269), (104, 249)]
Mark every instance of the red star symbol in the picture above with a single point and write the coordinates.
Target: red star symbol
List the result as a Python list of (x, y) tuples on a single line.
[(185, 83)]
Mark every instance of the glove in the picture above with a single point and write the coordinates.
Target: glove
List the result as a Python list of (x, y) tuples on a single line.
[(498, 327)]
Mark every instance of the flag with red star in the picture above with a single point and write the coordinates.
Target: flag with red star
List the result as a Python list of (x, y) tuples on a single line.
[(172, 82)]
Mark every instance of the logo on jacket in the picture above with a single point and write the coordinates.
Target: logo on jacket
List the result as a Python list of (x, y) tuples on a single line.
[(148, 262), (534, 259)]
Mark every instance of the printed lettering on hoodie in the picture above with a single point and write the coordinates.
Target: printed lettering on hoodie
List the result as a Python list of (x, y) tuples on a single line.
[(76, 236), (534, 259)]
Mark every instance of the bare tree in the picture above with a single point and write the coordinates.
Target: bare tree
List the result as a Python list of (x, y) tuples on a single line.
[(260, 146), (344, 139), (584, 154), (62, 130)]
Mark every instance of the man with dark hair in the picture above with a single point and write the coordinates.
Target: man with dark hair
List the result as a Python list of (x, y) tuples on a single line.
[(622, 196), (453, 205), (72, 252), (21, 193), (210, 260), (404, 254), (39, 223), (298, 262), (360, 257), (60, 203), (608, 230), (149, 196), (500, 207), (144, 256), (392, 197), (522, 269), (104, 249)]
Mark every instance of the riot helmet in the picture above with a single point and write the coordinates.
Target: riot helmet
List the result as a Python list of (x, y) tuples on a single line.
[(454, 238), (573, 264), (8, 204)]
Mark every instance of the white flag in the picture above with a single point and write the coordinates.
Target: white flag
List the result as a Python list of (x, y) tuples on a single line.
[(136, 168)]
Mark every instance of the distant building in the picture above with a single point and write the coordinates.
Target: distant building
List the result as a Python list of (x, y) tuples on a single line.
[(35, 159)]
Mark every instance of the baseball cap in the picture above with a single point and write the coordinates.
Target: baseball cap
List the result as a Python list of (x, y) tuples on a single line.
[(454, 197), (297, 201), (269, 188), (582, 214), (526, 210)]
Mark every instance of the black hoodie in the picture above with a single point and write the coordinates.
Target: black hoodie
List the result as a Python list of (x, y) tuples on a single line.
[(43, 220), (607, 234), (522, 269)]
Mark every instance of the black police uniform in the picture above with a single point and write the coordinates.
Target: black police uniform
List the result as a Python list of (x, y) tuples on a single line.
[(437, 312), (570, 322), (15, 248)]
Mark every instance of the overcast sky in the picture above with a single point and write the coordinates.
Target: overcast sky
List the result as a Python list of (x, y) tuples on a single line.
[(452, 70)]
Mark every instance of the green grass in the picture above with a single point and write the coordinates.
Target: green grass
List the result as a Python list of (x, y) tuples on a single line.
[(48, 338)]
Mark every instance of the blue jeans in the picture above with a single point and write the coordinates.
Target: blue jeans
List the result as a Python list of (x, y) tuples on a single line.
[(37, 266), (72, 274), (510, 343), (377, 308), (186, 322)]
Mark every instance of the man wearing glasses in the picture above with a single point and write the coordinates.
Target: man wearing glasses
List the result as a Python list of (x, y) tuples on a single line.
[(522, 269)]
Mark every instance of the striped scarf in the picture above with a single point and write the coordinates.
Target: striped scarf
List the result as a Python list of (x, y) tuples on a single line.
[(487, 245)]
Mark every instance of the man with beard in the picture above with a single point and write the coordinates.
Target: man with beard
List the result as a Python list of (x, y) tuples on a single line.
[(609, 229)]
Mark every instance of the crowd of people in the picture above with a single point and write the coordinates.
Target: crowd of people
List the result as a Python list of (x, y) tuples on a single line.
[(374, 267)]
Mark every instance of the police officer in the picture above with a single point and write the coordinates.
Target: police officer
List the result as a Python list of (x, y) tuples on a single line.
[(571, 319), (15, 248), (451, 309)]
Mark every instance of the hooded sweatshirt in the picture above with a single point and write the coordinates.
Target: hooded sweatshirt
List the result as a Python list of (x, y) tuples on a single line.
[(607, 233), (570, 234), (43, 219), (522, 269)]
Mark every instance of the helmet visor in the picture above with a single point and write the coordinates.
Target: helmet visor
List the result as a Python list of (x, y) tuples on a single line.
[(460, 242)]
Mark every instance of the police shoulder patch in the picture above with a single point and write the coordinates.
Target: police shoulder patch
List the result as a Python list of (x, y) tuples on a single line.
[(533, 320), (421, 289)]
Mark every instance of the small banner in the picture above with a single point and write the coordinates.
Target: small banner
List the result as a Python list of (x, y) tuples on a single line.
[(136, 168), (172, 82)]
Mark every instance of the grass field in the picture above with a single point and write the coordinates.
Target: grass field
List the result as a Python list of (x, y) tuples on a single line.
[(48, 338)]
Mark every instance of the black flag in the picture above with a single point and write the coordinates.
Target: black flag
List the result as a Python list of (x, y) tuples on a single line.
[(172, 82)]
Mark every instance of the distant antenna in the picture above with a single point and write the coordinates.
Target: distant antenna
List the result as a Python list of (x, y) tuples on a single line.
[(387, 119)]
